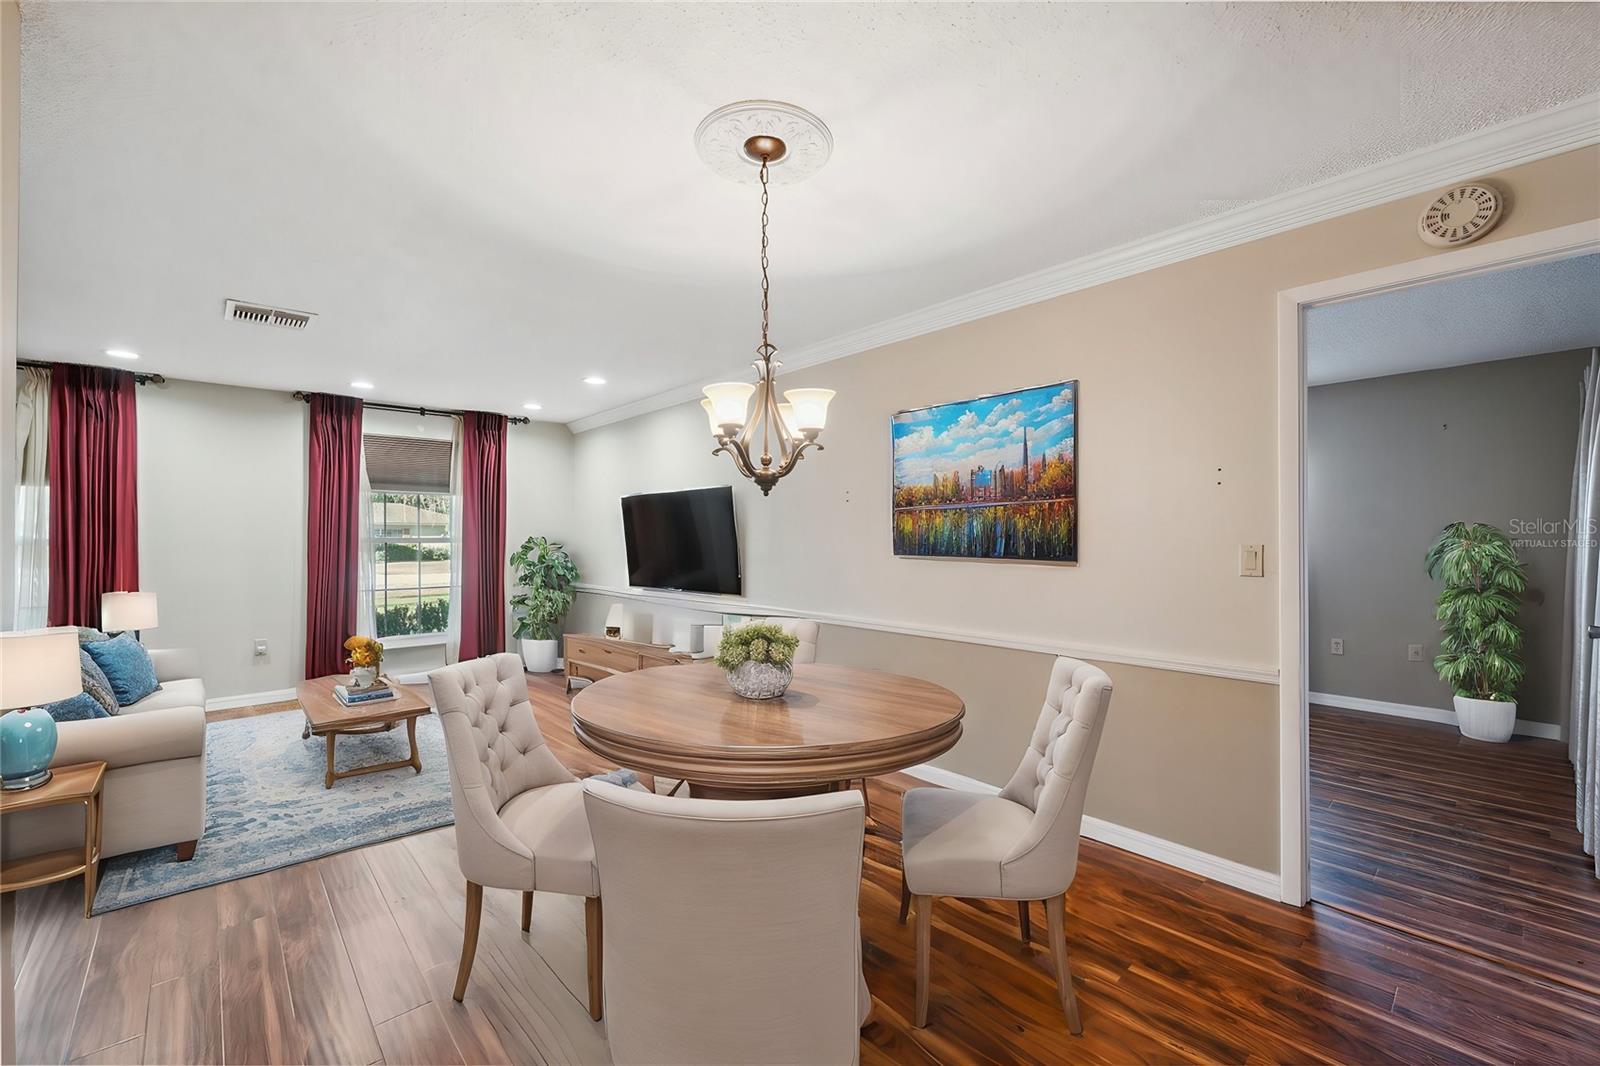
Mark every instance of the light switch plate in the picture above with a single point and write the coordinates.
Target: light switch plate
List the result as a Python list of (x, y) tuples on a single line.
[(1336, 646), (261, 648), (1252, 560), (1414, 653)]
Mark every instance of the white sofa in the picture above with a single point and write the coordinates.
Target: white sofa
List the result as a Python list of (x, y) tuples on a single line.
[(155, 785)]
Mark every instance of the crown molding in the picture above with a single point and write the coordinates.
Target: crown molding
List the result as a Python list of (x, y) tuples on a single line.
[(1521, 140)]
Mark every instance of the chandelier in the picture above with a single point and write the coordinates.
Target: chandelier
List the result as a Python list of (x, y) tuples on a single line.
[(766, 441)]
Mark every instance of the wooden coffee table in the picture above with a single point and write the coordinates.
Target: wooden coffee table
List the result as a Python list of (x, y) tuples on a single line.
[(327, 717)]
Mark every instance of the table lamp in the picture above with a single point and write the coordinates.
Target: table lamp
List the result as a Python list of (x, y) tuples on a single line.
[(124, 611), (36, 666)]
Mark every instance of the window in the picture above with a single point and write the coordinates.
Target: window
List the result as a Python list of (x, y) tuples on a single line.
[(411, 563), (411, 525)]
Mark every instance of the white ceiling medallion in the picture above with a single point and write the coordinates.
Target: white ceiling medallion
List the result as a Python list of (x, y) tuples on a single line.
[(1461, 215), (721, 137)]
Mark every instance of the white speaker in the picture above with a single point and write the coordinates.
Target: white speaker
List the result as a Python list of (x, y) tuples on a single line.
[(688, 636)]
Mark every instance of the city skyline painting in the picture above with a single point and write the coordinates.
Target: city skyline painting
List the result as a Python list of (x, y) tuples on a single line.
[(989, 478)]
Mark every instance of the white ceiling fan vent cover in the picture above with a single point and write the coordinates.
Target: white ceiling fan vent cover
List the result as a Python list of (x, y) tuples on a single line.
[(262, 315)]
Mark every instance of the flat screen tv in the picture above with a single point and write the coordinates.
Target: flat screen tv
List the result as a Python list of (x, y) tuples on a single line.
[(682, 540)]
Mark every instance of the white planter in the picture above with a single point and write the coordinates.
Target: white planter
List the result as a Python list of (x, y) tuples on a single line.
[(363, 676), (538, 656), (1490, 720)]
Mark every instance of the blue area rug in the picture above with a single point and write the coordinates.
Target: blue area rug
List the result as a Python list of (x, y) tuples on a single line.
[(266, 807)]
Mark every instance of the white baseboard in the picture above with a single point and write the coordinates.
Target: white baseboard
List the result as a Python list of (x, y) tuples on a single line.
[(1523, 728), (249, 699), (1215, 867)]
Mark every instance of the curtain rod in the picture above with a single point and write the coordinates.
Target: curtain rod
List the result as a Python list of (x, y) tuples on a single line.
[(138, 378), (515, 420)]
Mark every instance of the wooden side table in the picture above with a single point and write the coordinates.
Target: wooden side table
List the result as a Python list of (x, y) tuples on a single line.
[(78, 783)]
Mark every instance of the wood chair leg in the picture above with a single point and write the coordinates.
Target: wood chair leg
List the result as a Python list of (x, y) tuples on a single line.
[(924, 905), (1024, 919), (594, 929), (527, 911), (469, 938), (1055, 909), (905, 898)]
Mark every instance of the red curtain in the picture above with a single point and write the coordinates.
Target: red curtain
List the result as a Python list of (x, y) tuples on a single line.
[(483, 534), (333, 531), (93, 470)]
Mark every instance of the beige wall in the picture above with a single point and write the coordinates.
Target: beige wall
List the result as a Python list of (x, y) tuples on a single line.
[(1493, 442), (1178, 453), (222, 524)]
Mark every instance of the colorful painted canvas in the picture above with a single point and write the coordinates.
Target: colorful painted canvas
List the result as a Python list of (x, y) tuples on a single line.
[(992, 478)]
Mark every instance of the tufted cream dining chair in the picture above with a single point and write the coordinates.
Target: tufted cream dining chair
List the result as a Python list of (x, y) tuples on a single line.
[(735, 927), (519, 812), (1021, 845)]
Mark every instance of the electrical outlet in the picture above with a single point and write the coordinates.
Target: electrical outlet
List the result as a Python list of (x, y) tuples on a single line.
[(261, 649), (1414, 653), (1336, 645)]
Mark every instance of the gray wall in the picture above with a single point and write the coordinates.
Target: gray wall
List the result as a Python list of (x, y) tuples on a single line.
[(222, 525), (1391, 461)]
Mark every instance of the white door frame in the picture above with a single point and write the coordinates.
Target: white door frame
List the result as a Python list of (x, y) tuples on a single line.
[(1293, 741)]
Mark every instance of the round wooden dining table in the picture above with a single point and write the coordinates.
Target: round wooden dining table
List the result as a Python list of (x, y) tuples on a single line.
[(834, 724)]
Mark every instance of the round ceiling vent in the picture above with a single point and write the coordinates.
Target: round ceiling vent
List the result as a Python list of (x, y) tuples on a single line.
[(1461, 215), (800, 143)]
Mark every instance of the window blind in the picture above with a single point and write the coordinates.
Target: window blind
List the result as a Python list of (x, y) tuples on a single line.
[(407, 464)]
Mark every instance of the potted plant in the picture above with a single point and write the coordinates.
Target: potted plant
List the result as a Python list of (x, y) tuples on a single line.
[(758, 659), (546, 573), (365, 659), (1479, 654)]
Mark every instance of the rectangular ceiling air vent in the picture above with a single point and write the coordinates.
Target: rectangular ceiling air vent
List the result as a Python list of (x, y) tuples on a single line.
[(262, 315)]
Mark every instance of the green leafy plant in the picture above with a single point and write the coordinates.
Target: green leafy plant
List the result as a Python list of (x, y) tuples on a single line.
[(757, 642), (544, 570), (1483, 582)]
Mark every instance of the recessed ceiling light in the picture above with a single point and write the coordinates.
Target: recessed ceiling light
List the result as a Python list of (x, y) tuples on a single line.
[(533, 407), (121, 353), (361, 385), (594, 379)]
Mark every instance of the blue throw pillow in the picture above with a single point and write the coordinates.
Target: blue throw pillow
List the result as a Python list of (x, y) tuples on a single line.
[(79, 708), (95, 682), (128, 667)]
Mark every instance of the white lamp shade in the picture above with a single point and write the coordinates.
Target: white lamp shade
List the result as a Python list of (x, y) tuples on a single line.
[(38, 666), (122, 611), (810, 407), (729, 401), (786, 412), (711, 417)]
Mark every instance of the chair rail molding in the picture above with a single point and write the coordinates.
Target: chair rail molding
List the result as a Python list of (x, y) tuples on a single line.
[(1520, 140), (1223, 871), (1260, 673)]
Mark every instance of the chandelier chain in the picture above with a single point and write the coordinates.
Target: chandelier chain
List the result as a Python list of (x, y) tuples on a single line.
[(765, 348)]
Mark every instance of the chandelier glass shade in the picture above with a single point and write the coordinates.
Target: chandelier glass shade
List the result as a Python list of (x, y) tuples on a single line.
[(764, 436)]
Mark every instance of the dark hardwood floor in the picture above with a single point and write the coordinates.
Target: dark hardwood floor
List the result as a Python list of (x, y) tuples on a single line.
[(350, 958), (1468, 844)]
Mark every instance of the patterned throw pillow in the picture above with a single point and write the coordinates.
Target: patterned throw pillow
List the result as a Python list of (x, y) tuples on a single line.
[(91, 636), (127, 666), (79, 708), (95, 682)]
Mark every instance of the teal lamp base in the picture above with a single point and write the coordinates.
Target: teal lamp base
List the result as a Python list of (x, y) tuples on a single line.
[(27, 744)]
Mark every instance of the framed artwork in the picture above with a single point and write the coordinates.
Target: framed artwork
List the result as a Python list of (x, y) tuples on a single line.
[(990, 478)]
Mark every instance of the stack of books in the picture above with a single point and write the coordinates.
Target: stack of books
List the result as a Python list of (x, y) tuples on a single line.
[(376, 692)]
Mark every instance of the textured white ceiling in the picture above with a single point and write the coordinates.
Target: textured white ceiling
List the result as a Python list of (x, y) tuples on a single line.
[(1547, 307), (483, 203)]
